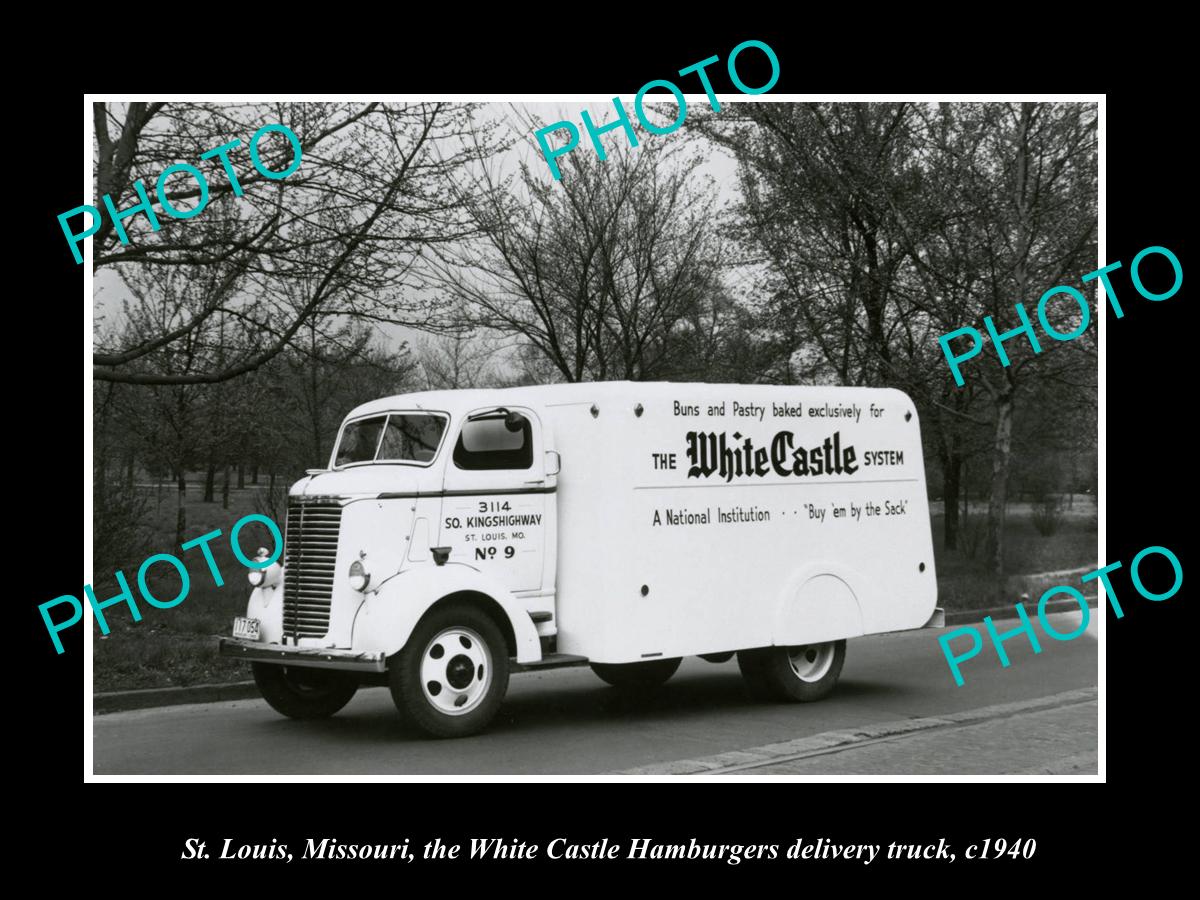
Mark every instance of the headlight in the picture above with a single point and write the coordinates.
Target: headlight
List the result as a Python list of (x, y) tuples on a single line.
[(267, 577), (359, 576)]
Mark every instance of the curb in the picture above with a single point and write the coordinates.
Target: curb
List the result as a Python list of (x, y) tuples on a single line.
[(735, 761), (1010, 612), (118, 701)]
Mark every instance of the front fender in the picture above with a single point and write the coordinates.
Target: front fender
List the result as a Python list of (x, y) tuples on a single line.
[(266, 605), (387, 618)]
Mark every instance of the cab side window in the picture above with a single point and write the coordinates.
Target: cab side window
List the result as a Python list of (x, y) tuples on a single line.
[(495, 442)]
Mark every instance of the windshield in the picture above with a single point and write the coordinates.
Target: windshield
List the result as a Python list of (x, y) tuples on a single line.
[(396, 437)]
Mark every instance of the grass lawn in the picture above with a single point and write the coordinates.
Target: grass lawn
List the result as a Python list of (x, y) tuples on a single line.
[(962, 577), (177, 646)]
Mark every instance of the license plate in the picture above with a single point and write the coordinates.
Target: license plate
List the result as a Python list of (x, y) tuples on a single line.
[(244, 628)]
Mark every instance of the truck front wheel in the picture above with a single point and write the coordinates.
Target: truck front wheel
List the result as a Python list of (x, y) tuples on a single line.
[(647, 674), (304, 693), (802, 673), (451, 676)]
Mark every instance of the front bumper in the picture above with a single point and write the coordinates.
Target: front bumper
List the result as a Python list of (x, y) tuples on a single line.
[(313, 657)]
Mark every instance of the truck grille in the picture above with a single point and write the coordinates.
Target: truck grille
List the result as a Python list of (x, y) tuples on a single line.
[(309, 557)]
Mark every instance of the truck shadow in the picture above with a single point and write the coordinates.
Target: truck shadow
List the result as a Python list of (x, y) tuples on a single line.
[(543, 708), (718, 694)]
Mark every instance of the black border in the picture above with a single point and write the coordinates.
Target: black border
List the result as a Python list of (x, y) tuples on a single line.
[(1147, 454)]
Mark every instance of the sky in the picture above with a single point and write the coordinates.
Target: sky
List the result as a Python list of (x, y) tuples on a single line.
[(109, 292)]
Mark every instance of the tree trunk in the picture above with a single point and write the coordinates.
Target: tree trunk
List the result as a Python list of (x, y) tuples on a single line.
[(951, 472), (129, 472), (254, 474), (315, 396), (181, 513), (241, 486), (316, 439), (874, 304), (100, 457), (1001, 460), (225, 489), (1002, 442), (965, 485), (210, 481), (1071, 486), (99, 489)]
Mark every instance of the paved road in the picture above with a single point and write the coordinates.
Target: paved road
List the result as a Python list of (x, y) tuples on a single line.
[(1052, 735), (568, 722), (1039, 742)]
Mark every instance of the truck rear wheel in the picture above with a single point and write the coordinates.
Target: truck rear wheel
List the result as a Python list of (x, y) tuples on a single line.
[(650, 673), (300, 692), (803, 673), (451, 676)]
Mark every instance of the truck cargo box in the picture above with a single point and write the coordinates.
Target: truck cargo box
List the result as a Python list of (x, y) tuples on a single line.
[(700, 518)]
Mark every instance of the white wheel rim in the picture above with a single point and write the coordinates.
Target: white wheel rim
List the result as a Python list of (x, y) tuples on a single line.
[(811, 662), (456, 671)]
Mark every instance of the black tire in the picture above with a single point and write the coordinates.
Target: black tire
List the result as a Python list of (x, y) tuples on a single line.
[(717, 657), (473, 676), (803, 673), (648, 674), (300, 692), (750, 663)]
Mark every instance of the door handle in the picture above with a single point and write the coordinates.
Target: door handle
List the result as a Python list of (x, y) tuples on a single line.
[(536, 481)]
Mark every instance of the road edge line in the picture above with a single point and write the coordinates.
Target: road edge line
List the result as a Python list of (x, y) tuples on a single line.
[(1010, 612), (848, 738), (120, 701)]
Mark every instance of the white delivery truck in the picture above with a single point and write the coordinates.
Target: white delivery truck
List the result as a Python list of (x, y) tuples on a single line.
[(458, 536)]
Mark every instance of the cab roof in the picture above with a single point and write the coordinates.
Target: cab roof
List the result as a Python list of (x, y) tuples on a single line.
[(465, 401)]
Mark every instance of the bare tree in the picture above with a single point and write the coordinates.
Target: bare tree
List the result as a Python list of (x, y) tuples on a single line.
[(1010, 212), (878, 228), (834, 201), (338, 237), (457, 360), (312, 388), (817, 216), (600, 272)]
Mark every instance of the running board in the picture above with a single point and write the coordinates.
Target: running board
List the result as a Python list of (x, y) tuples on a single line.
[(548, 661)]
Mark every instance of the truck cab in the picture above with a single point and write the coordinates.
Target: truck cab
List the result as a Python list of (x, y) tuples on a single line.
[(431, 506)]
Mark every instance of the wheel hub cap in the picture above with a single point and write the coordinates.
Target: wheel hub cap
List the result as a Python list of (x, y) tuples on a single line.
[(811, 662), (456, 671), (460, 671)]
